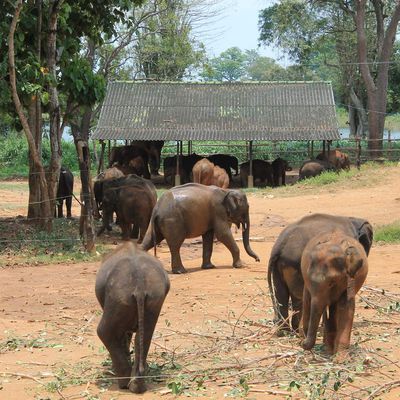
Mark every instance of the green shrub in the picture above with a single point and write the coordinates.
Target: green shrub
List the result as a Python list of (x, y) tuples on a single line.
[(388, 233)]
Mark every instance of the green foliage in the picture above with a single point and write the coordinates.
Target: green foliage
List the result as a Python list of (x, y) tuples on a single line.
[(388, 233), (167, 51)]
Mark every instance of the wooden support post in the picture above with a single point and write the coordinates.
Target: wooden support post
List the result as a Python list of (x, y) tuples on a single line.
[(312, 149), (389, 150), (190, 147), (250, 179), (101, 161), (329, 147), (309, 149), (177, 174), (109, 152), (323, 148), (86, 222)]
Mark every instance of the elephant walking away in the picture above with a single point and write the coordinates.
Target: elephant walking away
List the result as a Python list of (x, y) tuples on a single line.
[(64, 192), (206, 173), (334, 267), (191, 210), (285, 280), (227, 162), (131, 287)]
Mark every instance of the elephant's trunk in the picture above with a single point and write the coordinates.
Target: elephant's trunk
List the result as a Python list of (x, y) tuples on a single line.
[(315, 317), (246, 239)]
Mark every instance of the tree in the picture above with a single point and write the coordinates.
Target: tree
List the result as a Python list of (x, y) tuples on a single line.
[(45, 59), (230, 66), (365, 28), (165, 48)]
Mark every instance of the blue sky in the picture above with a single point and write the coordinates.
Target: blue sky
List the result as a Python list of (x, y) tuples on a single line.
[(237, 25)]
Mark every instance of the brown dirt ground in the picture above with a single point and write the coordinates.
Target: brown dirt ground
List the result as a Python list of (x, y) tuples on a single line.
[(214, 337)]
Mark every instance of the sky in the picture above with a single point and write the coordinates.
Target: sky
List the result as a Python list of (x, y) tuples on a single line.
[(237, 25)]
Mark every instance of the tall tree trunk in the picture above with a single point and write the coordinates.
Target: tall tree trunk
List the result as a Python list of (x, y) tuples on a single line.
[(54, 106), (376, 89), (46, 212), (35, 123)]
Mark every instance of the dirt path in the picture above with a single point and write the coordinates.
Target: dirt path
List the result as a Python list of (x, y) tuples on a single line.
[(215, 337)]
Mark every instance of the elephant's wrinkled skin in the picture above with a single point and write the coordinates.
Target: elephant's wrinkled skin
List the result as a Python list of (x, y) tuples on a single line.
[(262, 173), (284, 273), (334, 267), (64, 192), (192, 210), (131, 286)]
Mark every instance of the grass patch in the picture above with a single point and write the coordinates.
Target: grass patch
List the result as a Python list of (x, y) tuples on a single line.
[(388, 233), (22, 243)]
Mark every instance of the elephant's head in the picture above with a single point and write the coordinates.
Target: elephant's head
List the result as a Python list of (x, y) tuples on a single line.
[(365, 232), (237, 209)]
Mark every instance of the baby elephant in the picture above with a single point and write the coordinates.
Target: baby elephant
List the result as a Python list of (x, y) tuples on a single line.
[(131, 286), (334, 267)]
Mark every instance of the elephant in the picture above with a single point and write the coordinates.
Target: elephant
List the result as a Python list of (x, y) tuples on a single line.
[(133, 199), (109, 173), (121, 156), (131, 287), (206, 173), (191, 210), (186, 164), (262, 172), (153, 148), (284, 273), (279, 168), (227, 162), (335, 157), (65, 190), (311, 168), (334, 267), (135, 166)]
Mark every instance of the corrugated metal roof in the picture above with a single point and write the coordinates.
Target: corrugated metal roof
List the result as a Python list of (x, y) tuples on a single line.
[(218, 111)]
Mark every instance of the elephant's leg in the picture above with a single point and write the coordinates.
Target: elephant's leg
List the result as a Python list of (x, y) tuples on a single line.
[(224, 235), (330, 328), (208, 241), (135, 231), (137, 384), (125, 228), (297, 304), (68, 203), (345, 309), (60, 209), (115, 340), (306, 310), (174, 244)]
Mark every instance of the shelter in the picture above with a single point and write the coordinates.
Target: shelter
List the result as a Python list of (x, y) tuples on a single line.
[(276, 111)]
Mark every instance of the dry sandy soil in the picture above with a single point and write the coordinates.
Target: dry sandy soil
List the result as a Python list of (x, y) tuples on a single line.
[(215, 337)]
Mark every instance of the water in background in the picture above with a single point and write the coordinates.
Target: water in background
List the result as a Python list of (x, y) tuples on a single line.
[(345, 133)]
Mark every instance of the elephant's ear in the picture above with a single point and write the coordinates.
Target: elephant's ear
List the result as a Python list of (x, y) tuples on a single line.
[(230, 203), (364, 231), (354, 261)]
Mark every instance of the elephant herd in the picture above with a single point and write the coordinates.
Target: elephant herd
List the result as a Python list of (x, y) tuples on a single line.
[(316, 266)]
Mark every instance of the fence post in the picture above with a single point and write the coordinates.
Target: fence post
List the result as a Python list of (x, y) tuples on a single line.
[(177, 174), (101, 161), (358, 146), (250, 179), (389, 152)]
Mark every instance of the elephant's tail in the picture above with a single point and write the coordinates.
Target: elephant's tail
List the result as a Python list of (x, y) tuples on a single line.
[(140, 300), (271, 265), (153, 234)]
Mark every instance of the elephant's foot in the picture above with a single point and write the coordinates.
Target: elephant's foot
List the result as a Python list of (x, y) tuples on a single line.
[(308, 344), (123, 383), (179, 270), (137, 385), (238, 264), (207, 266)]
